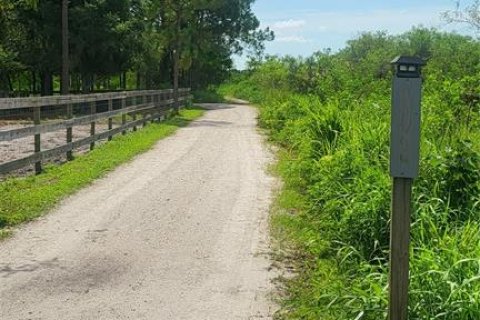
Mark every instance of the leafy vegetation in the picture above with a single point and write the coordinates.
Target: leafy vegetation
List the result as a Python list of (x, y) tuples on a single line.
[(23, 199), (207, 95), (123, 44), (330, 113)]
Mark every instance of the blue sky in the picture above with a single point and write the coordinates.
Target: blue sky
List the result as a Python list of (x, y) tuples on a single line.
[(305, 26)]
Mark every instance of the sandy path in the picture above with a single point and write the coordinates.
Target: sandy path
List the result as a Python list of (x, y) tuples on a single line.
[(179, 233)]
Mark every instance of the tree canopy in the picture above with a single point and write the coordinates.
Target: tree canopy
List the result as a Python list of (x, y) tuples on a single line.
[(124, 43)]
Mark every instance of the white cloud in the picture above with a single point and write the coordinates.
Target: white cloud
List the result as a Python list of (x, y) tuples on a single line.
[(292, 38), (302, 32), (288, 24), (393, 21)]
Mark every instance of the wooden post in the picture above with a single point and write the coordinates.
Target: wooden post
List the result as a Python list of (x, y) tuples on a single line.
[(404, 168), (399, 248), (69, 131), (160, 105), (161, 100), (179, 102), (134, 113), (145, 113), (153, 100), (172, 106), (110, 119), (37, 147), (165, 106), (124, 116), (93, 111)]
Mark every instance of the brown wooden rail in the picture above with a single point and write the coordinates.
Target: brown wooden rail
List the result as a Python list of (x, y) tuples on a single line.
[(151, 105)]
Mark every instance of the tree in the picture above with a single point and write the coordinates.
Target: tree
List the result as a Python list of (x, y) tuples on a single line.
[(101, 39), (469, 15), (38, 41), (165, 42), (199, 33), (65, 84), (9, 57)]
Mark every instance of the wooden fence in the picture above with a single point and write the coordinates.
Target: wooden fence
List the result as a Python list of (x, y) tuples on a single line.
[(149, 105)]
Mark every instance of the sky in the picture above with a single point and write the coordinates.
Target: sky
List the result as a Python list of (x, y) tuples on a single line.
[(303, 27)]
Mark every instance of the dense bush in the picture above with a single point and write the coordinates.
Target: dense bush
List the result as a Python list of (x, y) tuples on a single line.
[(330, 113)]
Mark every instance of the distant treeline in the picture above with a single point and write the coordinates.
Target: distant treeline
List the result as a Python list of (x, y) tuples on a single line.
[(122, 44)]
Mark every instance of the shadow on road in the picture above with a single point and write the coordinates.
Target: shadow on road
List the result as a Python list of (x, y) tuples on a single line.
[(7, 270), (210, 123), (216, 106)]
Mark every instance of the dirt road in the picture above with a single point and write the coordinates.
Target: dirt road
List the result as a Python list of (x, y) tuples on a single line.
[(179, 233)]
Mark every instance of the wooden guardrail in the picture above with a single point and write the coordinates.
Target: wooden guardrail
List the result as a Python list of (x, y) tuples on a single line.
[(150, 105)]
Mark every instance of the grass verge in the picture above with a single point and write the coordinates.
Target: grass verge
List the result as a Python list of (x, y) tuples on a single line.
[(297, 247), (24, 199)]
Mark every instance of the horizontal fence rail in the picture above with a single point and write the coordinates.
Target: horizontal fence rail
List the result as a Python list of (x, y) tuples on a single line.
[(54, 113)]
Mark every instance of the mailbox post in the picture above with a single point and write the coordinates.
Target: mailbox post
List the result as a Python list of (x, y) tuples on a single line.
[(404, 168)]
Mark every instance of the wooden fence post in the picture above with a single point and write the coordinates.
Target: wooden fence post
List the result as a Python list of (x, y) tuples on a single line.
[(171, 106), (37, 147), (159, 106), (145, 113), (124, 116), (399, 248), (154, 107), (69, 131), (110, 119), (180, 99), (161, 99), (404, 168), (162, 106), (93, 111), (134, 113)]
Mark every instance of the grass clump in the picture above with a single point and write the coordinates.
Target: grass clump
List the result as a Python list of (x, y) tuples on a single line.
[(330, 115), (23, 199), (209, 95)]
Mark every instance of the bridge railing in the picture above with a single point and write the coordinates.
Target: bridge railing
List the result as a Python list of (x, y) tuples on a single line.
[(117, 112)]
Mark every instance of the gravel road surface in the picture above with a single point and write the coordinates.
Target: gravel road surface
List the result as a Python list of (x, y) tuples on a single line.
[(179, 233)]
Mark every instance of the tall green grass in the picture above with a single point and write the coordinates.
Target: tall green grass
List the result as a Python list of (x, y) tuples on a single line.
[(331, 118)]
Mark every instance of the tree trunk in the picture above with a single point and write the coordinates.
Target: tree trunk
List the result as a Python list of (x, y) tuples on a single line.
[(10, 84), (86, 83), (76, 82), (47, 84), (176, 61), (4, 85), (190, 78), (34, 82), (139, 80), (65, 78)]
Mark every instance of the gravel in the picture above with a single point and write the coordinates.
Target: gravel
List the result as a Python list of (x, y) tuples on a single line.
[(181, 232)]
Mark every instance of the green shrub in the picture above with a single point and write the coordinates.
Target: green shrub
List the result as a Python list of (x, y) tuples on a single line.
[(330, 114)]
